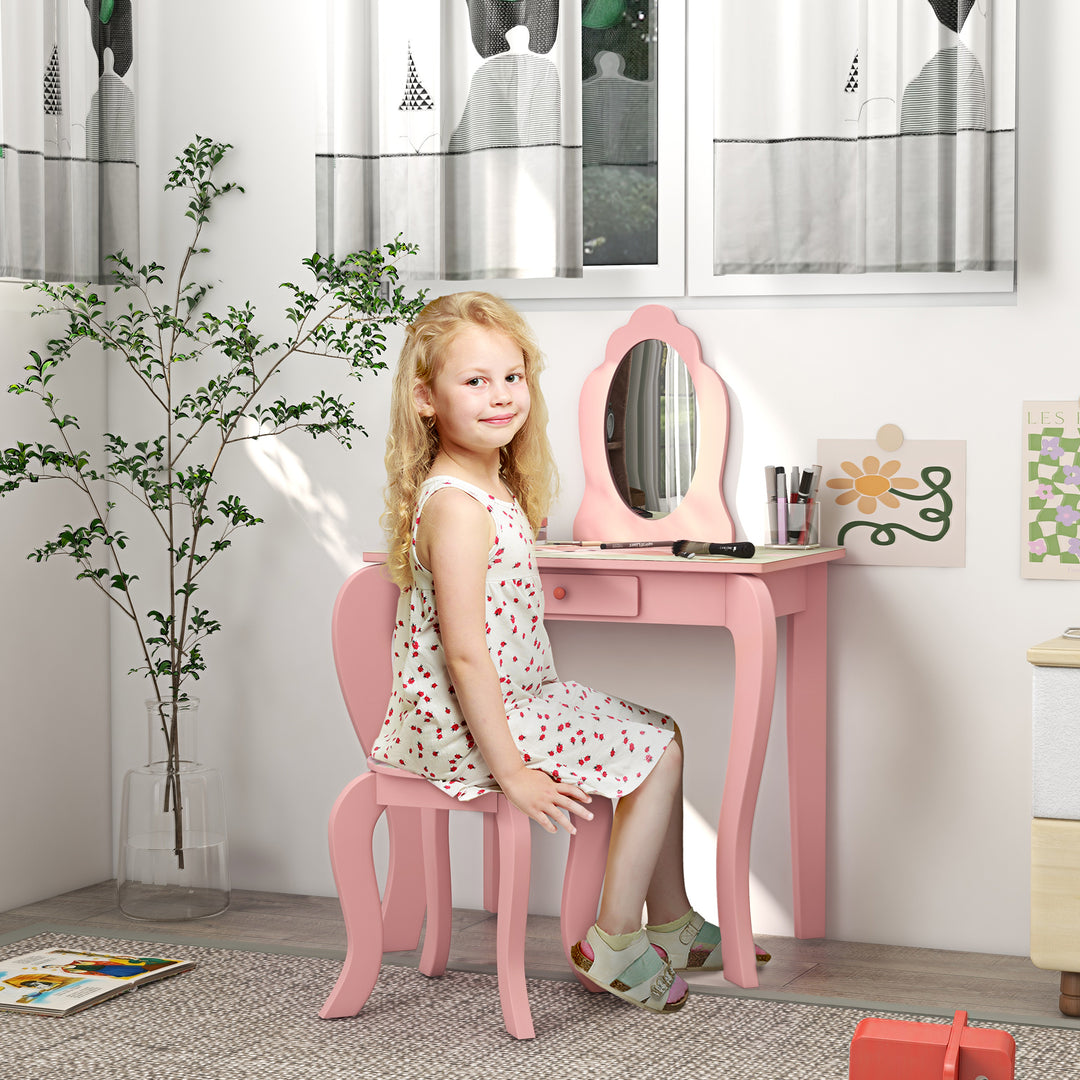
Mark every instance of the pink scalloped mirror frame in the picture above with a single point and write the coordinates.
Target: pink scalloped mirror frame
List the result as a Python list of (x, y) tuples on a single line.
[(702, 514)]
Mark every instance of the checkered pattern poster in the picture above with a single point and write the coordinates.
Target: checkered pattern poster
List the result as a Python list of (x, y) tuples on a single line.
[(1050, 517)]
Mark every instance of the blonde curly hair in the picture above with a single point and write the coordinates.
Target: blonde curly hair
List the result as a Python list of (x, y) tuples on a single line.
[(527, 464)]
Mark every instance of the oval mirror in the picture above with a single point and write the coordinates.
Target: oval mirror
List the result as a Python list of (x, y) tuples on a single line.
[(673, 430), (651, 429)]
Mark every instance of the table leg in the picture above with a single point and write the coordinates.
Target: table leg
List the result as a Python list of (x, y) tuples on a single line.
[(806, 740), (751, 618)]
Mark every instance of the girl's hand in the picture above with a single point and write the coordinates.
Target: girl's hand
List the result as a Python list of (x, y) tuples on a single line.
[(546, 800)]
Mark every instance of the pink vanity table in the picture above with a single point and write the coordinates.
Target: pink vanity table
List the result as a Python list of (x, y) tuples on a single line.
[(746, 596)]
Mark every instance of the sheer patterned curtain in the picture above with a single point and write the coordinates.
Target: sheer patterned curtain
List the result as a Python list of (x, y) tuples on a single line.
[(68, 173), (860, 136), (457, 126)]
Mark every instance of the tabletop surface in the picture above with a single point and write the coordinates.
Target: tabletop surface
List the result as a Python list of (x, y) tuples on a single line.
[(764, 561)]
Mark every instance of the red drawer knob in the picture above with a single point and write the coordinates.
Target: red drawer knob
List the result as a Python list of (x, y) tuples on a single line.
[(558, 592)]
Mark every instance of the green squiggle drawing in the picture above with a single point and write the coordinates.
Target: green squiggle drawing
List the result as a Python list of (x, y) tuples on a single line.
[(885, 534)]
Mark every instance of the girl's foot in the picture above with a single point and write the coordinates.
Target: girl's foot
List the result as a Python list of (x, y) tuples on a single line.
[(635, 973), (692, 944)]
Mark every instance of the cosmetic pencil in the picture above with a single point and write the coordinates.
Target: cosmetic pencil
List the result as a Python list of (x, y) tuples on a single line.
[(812, 507), (571, 543), (793, 498), (781, 505), (609, 545), (770, 494), (805, 505), (637, 544)]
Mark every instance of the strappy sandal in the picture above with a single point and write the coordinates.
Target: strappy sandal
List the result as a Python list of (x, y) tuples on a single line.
[(694, 945), (636, 974)]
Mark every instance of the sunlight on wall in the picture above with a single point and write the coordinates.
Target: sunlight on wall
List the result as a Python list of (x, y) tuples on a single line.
[(699, 838), (768, 441), (322, 511)]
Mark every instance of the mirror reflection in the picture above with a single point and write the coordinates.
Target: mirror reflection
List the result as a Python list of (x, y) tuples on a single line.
[(651, 429)]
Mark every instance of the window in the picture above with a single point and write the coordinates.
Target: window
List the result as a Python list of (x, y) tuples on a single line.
[(633, 55), (618, 133), (649, 91), (764, 52)]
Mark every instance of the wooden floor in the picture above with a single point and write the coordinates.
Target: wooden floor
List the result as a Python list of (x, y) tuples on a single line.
[(931, 980)]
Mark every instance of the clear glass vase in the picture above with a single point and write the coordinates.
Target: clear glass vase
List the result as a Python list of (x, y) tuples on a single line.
[(174, 860)]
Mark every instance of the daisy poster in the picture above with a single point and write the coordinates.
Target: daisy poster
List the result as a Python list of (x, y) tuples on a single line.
[(894, 507), (1050, 546)]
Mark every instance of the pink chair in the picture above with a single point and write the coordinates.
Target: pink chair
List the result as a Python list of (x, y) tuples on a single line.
[(418, 822)]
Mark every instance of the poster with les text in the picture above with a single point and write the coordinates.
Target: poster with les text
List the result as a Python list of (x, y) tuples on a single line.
[(1050, 545)]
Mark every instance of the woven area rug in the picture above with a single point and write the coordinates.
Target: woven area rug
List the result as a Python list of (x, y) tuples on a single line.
[(254, 1015)]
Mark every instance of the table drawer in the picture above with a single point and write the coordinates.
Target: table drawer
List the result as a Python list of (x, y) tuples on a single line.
[(567, 593)]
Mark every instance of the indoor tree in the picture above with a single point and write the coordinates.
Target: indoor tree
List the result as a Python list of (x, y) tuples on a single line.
[(205, 378)]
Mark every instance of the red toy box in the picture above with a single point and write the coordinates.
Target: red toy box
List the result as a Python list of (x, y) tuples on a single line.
[(910, 1050)]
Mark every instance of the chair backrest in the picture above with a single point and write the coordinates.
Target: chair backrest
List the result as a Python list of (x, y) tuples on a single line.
[(362, 631)]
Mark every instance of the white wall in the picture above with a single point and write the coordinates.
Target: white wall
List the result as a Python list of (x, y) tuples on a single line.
[(929, 713), (54, 717)]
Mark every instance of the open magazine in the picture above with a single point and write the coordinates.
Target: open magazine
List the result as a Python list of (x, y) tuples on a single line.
[(56, 982)]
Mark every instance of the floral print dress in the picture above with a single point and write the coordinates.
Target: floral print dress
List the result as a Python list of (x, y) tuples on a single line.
[(577, 735)]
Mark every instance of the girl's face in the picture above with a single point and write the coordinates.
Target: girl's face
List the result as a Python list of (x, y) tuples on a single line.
[(479, 396)]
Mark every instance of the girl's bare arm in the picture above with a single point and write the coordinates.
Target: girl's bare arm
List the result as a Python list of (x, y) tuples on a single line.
[(453, 539)]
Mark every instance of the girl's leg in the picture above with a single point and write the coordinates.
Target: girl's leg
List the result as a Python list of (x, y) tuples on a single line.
[(666, 897), (617, 953), (645, 855), (645, 868)]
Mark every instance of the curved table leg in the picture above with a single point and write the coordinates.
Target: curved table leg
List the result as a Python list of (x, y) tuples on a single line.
[(751, 618), (352, 822)]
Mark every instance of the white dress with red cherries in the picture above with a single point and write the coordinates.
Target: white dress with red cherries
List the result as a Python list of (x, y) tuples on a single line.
[(575, 734)]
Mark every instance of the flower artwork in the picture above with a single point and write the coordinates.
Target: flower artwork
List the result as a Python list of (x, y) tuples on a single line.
[(1050, 544), (903, 507), (869, 484)]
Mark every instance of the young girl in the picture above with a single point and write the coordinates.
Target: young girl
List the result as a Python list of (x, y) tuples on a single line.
[(477, 704)]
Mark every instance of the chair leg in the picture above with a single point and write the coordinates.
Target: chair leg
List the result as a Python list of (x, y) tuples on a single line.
[(584, 879), (514, 866), (434, 829), (491, 864), (403, 897), (352, 822)]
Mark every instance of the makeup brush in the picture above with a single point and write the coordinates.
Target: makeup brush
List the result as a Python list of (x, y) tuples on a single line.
[(741, 549)]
